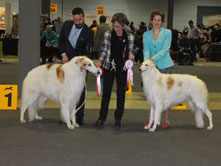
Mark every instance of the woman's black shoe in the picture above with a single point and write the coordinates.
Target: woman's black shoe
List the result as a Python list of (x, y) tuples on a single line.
[(99, 123), (117, 124)]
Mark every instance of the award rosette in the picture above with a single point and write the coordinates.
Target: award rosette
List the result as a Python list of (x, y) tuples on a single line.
[(98, 80), (128, 65)]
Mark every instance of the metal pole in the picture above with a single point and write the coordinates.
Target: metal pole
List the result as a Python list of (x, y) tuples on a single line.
[(170, 14), (29, 38)]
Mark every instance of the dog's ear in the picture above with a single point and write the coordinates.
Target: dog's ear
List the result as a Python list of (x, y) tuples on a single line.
[(79, 60), (152, 64)]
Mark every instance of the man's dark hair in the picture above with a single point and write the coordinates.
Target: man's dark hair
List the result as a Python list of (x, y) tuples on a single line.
[(102, 19), (191, 22), (142, 23), (77, 11), (121, 18)]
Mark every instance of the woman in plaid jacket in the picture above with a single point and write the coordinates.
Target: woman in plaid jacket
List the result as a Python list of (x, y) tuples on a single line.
[(116, 49)]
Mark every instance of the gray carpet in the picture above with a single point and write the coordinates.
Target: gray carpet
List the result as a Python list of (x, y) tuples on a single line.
[(48, 143)]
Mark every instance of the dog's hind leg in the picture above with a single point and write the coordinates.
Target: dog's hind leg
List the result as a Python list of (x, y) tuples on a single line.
[(198, 114), (202, 107), (40, 104), (32, 111), (22, 113), (210, 117), (28, 100)]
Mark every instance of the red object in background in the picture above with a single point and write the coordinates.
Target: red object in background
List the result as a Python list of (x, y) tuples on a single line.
[(164, 125)]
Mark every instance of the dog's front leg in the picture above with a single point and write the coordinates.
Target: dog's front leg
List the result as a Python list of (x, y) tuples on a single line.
[(151, 120), (73, 117), (156, 117), (66, 115)]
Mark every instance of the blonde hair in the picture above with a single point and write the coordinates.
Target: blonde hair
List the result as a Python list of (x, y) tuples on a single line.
[(48, 27)]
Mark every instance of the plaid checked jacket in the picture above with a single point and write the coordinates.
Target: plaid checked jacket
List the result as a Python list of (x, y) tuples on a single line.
[(106, 48)]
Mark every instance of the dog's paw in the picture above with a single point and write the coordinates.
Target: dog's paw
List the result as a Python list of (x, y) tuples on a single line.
[(209, 127), (70, 126), (146, 127), (38, 118), (76, 125), (22, 121), (152, 130)]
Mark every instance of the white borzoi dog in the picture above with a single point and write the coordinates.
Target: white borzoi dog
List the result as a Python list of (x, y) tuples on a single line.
[(62, 83), (166, 90)]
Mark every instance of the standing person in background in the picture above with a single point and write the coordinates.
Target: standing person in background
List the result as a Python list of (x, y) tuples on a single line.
[(185, 50), (94, 24), (58, 25), (76, 39), (117, 48), (142, 27), (50, 36), (156, 46), (132, 27), (138, 47), (127, 28), (99, 38), (193, 35)]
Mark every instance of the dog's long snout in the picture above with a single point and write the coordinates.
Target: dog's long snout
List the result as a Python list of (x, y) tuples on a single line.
[(140, 69)]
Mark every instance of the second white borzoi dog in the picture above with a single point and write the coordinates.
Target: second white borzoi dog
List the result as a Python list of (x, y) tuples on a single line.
[(166, 90), (62, 84)]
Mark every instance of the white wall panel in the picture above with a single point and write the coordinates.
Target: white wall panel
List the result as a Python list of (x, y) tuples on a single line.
[(185, 10), (136, 10)]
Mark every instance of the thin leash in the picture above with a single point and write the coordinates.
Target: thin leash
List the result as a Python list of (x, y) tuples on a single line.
[(85, 85)]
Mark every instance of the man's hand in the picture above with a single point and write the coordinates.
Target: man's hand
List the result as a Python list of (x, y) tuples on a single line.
[(131, 57), (65, 59), (152, 59)]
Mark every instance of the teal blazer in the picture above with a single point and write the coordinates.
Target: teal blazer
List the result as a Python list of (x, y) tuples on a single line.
[(158, 49)]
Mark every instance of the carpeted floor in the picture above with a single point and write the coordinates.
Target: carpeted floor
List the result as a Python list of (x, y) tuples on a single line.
[(48, 143)]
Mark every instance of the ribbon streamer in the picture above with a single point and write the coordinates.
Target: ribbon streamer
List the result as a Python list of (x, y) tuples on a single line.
[(98, 80), (128, 65)]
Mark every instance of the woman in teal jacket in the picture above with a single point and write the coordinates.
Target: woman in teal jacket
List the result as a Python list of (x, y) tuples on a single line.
[(50, 36), (156, 44)]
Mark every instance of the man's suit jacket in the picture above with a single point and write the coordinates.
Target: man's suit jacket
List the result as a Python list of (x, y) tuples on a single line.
[(158, 49), (83, 45)]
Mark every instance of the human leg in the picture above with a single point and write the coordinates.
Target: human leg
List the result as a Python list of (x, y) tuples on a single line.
[(121, 77), (108, 79)]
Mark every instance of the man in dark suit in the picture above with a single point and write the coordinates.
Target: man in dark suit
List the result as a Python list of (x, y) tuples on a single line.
[(76, 39)]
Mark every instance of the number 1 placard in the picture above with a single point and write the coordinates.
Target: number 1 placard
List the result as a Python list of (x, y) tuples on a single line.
[(8, 97)]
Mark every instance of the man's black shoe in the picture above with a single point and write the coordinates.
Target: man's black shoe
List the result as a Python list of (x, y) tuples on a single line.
[(99, 123)]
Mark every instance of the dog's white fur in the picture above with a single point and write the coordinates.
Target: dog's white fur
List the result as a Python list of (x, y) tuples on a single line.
[(166, 90), (62, 84)]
